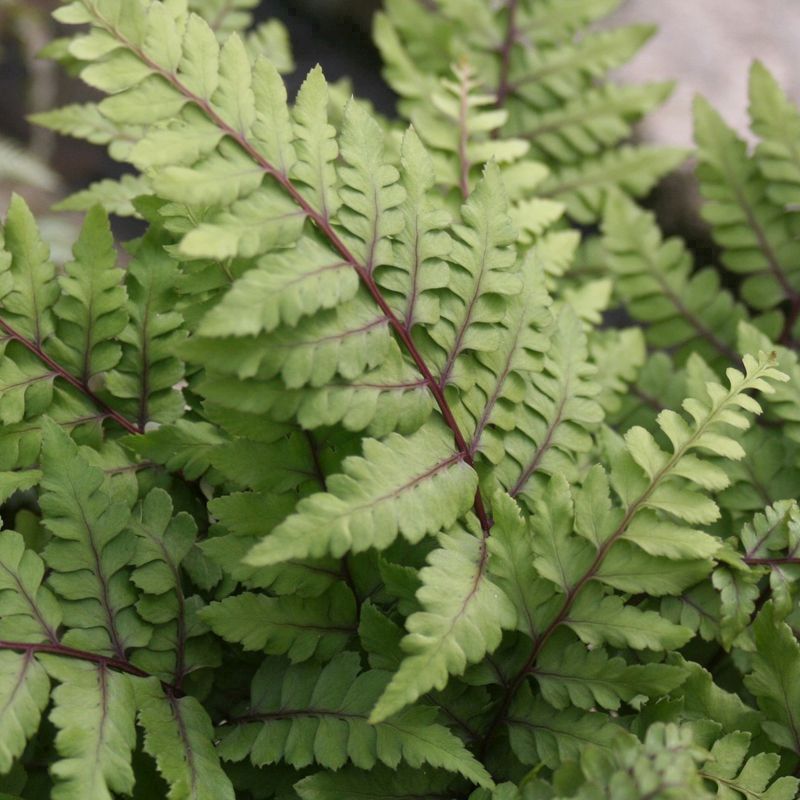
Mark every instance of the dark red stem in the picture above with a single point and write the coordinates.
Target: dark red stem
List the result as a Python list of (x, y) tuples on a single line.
[(83, 388), (506, 49), (56, 649)]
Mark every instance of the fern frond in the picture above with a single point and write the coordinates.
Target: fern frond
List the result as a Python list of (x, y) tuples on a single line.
[(649, 482), (299, 628), (776, 120), (497, 377), (784, 403), (482, 278), (289, 705), (775, 660), (554, 423), (89, 534), (377, 497), (462, 618), (456, 122), (546, 71), (589, 124), (178, 734), (29, 612), (94, 713), (551, 22), (116, 196), (24, 696), (635, 170), (390, 397), (278, 293), (654, 277), (418, 269), (30, 290), (730, 768), (491, 588), (570, 675), (91, 310), (163, 542), (49, 374), (540, 733), (757, 235), (236, 513), (144, 380), (84, 121)]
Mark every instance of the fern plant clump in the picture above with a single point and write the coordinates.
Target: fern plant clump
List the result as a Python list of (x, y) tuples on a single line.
[(339, 488)]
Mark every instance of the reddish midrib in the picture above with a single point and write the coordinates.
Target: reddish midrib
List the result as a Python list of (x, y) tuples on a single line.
[(60, 372)]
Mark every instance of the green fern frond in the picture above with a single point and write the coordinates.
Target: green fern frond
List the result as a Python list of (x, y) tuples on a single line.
[(462, 618), (634, 169), (299, 628), (492, 595), (757, 235), (89, 529), (289, 705), (178, 734), (685, 311), (775, 660), (776, 120), (372, 500), (553, 425)]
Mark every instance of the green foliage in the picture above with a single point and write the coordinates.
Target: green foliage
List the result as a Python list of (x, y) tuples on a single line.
[(544, 83), (337, 489)]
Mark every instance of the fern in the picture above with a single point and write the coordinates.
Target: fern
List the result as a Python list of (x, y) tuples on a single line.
[(549, 78), (337, 489)]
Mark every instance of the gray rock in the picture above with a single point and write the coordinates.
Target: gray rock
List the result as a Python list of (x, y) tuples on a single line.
[(707, 46)]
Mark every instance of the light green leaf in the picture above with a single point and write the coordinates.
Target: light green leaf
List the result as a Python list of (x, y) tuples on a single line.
[(300, 628), (32, 289), (410, 486), (570, 674), (282, 289), (91, 310), (89, 551), (94, 712), (24, 694), (315, 146), (775, 663), (607, 620), (462, 618), (179, 736), (310, 714)]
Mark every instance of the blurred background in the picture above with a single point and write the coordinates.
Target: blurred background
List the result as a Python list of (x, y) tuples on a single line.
[(706, 45)]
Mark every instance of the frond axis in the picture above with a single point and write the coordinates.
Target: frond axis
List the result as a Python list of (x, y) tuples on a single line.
[(109, 662), (185, 741), (76, 383), (506, 49), (775, 267), (323, 223), (491, 403), (541, 452), (702, 329)]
